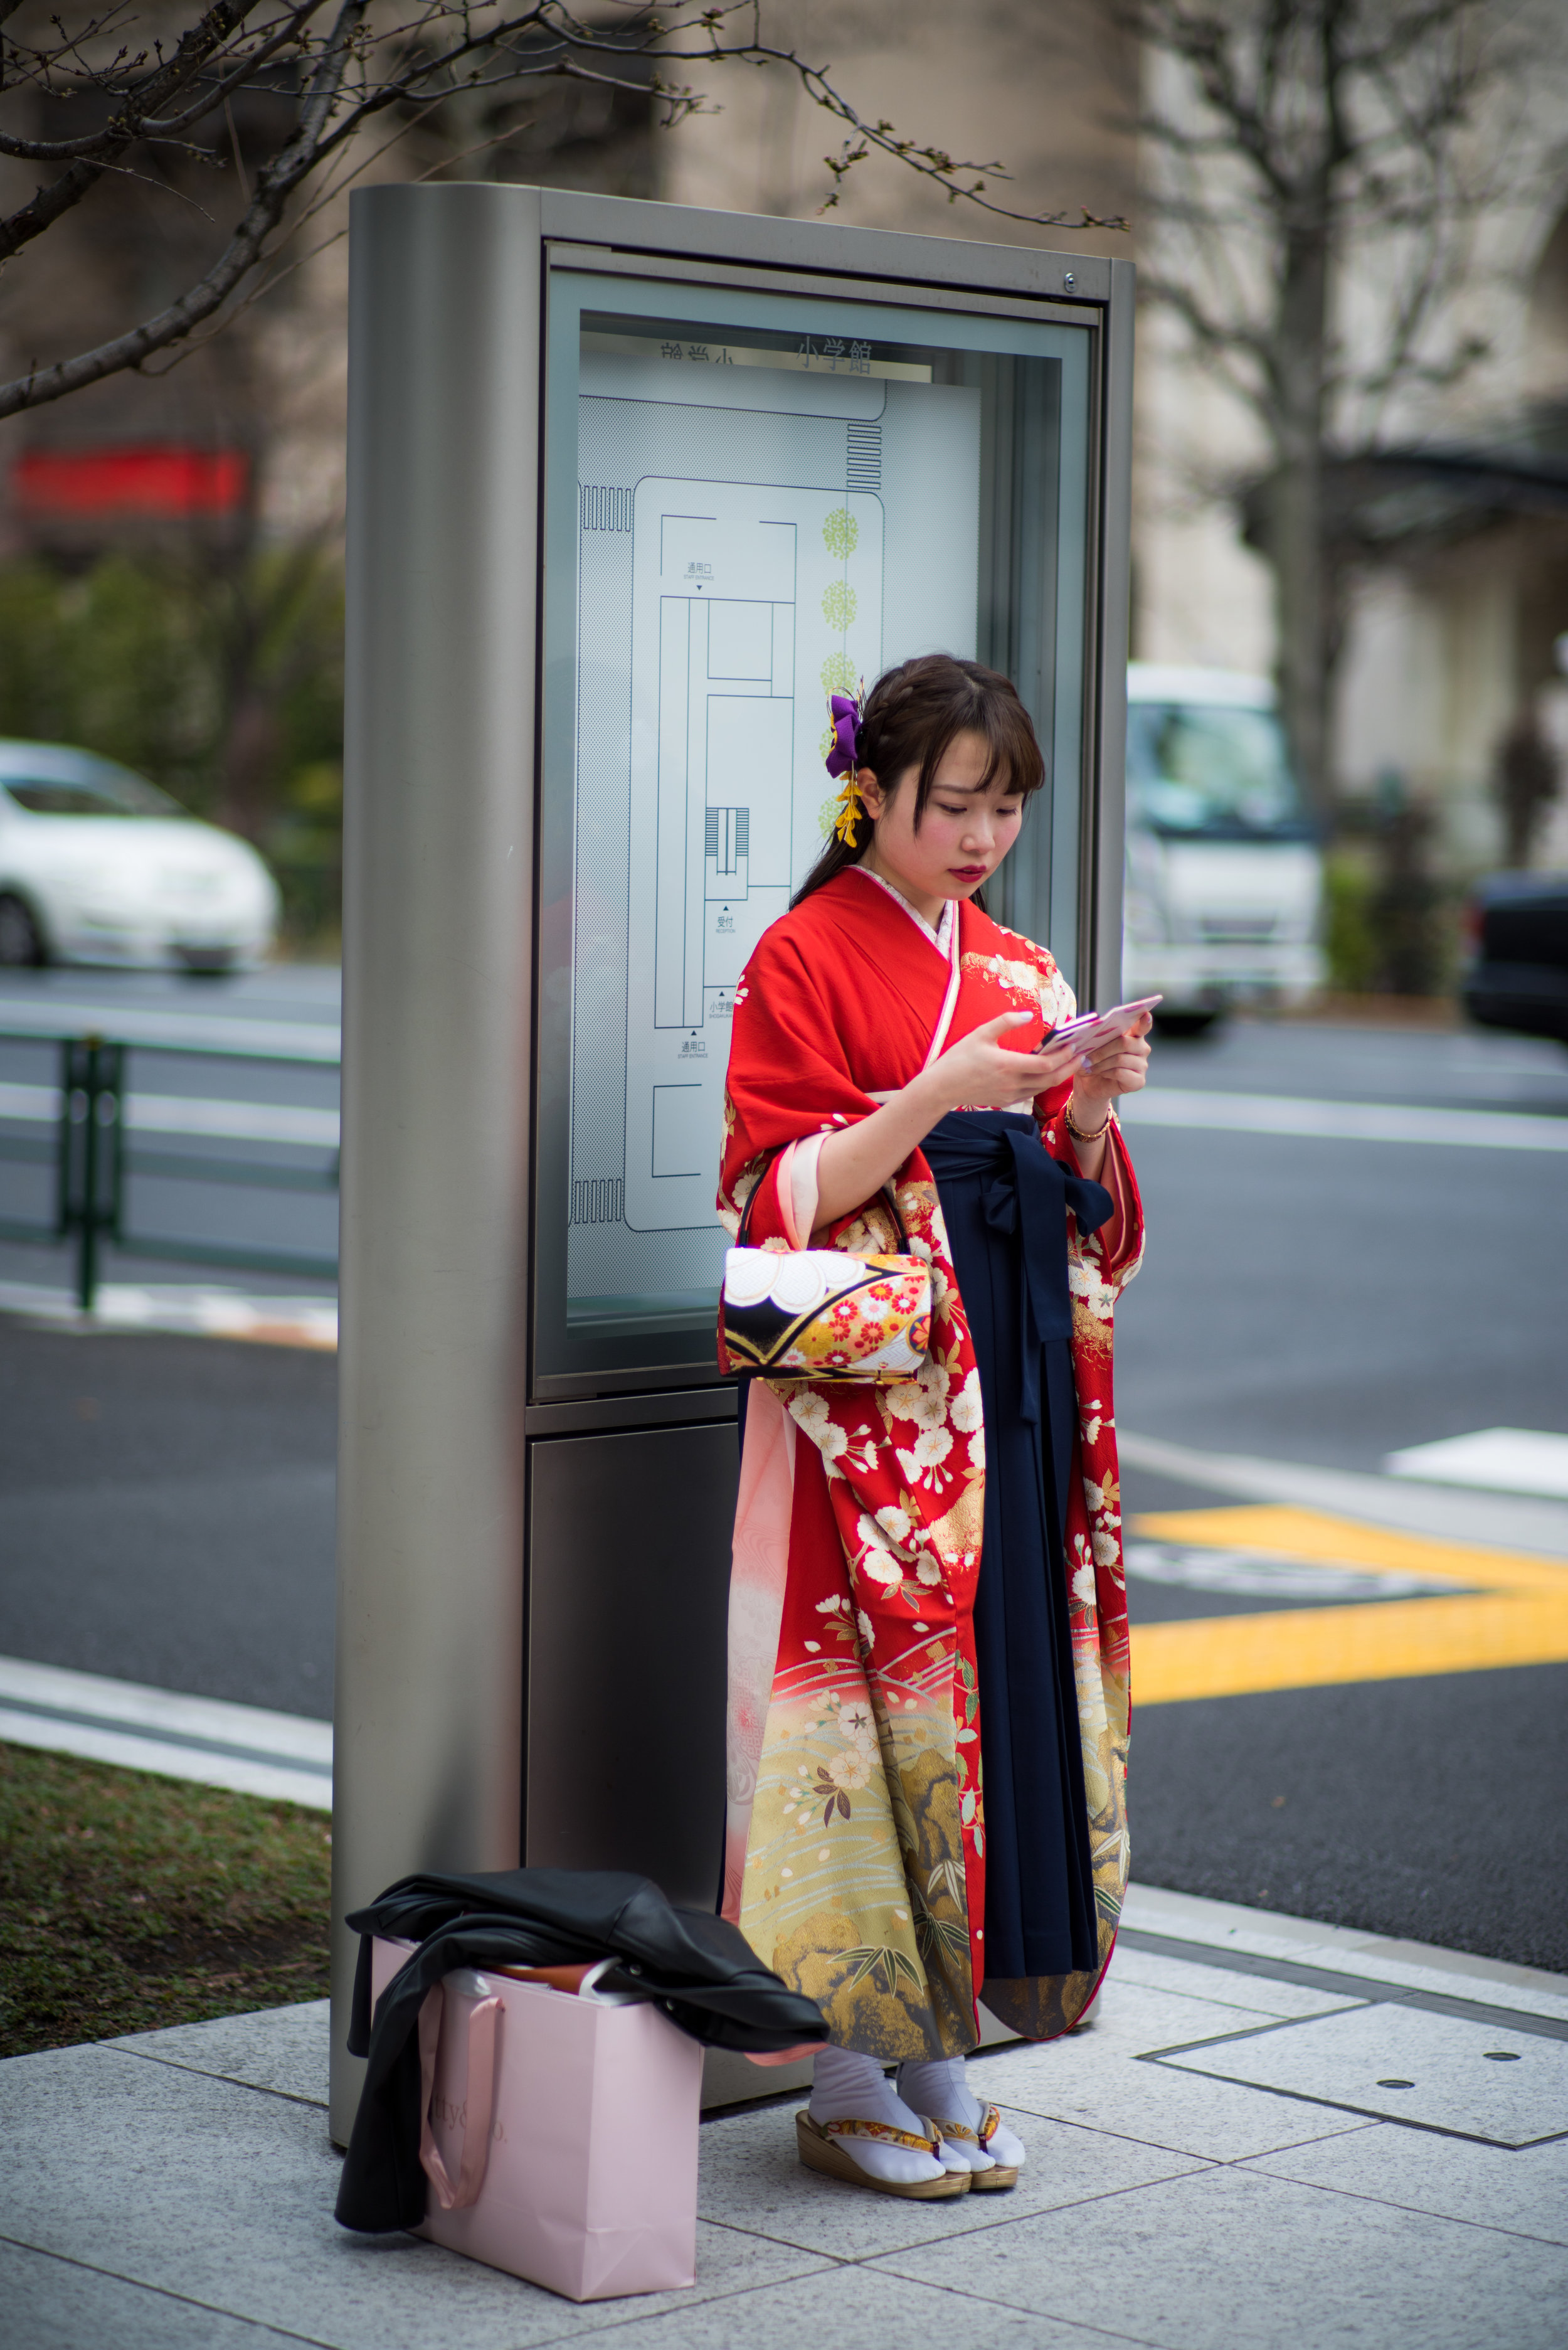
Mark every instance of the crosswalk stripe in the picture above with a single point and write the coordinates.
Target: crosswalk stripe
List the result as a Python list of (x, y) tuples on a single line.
[(1506, 1609)]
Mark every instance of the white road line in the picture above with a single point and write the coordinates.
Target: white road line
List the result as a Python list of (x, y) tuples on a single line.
[(192, 1310), (1335, 1121), (245, 1748), (29, 1104), (228, 1121), (231, 1120), (1505, 1460), (1283, 1114), (124, 1025), (1491, 1521)]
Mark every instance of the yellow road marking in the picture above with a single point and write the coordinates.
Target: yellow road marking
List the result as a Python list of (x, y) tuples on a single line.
[(1513, 1611)]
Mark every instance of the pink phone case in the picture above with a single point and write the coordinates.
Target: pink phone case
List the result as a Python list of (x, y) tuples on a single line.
[(1115, 1022)]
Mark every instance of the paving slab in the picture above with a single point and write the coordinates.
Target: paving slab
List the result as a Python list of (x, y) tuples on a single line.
[(850, 2305), (1137, 2019), (1226, 1986), (223, 2197), (752, 2178), (1407, 2064), (175, 2190), (55, 2304), (1228, 2259), (1084, 2081), (285, 2050), (1521, 2190)]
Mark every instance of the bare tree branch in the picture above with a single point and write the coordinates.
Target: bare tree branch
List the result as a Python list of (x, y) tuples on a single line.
[(429, 54), (97, 143), (203, 40), (275, 185)]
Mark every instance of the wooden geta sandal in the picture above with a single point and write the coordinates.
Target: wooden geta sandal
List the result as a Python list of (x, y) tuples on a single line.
[(815, 2141)]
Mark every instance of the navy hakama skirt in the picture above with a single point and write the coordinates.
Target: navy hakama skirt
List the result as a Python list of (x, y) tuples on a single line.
[(1004, 1202)]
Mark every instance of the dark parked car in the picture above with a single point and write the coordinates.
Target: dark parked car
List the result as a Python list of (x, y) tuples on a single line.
[(1518, 974)]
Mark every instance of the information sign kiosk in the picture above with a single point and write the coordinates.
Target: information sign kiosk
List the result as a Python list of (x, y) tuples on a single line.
[(633, 489)]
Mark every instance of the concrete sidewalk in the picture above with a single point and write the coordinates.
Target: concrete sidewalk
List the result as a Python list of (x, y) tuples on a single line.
[(1273, 2134)]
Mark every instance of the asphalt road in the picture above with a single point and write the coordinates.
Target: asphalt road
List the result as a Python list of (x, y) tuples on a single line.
[(1311, 1299), (1430, 1808), (1328, 1302), (168, 1512), (167, 1502)]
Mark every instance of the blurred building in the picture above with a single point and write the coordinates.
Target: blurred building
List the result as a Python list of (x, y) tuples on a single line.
[(1050, 92), (171, 457), (1453, 534), (1459, 630), (241, 435), (1452, 540), (1447, 528), (236, 436)]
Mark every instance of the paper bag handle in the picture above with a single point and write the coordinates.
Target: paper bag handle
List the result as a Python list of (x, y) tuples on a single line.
[(478, 2100)]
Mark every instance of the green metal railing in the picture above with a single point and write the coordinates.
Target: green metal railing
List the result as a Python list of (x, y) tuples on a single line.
[(93, 1157)]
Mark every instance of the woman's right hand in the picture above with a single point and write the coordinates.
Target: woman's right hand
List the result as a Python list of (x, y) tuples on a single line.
[(977, 1073), (980, 1072)]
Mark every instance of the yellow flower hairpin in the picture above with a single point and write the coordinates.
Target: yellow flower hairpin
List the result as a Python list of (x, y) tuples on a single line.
[(851, 808)]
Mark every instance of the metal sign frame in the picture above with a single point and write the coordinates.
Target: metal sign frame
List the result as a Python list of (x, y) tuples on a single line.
[(485, 1511)]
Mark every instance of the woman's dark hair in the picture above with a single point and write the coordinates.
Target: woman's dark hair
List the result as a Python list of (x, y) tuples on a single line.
[(911, 714)]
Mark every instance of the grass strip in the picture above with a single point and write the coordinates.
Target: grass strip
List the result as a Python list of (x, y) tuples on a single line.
[(129, 1902)]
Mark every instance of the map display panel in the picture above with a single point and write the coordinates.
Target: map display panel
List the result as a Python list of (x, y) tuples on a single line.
[(756, 528), (751, 497), (738, 616)]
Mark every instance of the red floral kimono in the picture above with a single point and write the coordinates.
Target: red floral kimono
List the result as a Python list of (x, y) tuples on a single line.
[(856, 1854)]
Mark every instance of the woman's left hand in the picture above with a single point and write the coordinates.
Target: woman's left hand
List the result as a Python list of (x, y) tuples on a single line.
[(1119, 1066)]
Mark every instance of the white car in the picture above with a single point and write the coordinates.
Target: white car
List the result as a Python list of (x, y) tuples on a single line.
[(97, 866), (1224, 871)]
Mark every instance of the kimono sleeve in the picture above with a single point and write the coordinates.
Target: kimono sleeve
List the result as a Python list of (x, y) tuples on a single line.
[(788, 1075), (1120, 1243)]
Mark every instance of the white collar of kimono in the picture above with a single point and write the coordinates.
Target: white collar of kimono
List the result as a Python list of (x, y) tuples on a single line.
[(797, 1161), (940, 935)]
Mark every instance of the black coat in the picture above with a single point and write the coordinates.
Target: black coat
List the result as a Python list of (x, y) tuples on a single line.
[(699, 1969)]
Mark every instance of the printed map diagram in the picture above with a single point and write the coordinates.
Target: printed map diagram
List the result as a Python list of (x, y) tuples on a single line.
[(750, 604), (749, 538)]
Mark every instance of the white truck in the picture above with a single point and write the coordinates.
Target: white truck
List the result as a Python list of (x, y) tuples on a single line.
[(1224, 870)]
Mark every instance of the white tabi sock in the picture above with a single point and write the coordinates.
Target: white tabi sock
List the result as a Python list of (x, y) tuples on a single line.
[(938, 2093), (847, 2086)]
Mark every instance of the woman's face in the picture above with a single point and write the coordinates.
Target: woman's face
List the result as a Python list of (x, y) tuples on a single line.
[(965, 832)]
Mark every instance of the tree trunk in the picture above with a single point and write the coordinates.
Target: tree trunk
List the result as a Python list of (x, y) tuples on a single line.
[(1295, 555), (1293, 509)]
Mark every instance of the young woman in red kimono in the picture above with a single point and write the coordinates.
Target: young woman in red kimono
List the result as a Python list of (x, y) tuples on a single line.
[(927, 1620)]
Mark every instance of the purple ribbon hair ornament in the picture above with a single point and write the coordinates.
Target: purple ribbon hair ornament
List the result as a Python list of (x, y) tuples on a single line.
[(845, 711), (843, 761)]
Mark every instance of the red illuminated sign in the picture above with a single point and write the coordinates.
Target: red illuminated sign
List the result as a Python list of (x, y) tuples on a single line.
[(161, 483)]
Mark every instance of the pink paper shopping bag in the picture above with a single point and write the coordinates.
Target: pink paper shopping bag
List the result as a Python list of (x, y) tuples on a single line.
[(559, 2134)]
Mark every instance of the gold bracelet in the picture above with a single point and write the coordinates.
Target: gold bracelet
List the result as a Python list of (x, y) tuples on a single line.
[(1078, 1132)]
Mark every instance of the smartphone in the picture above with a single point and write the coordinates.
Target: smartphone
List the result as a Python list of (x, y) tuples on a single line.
[(1090, 1029)]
